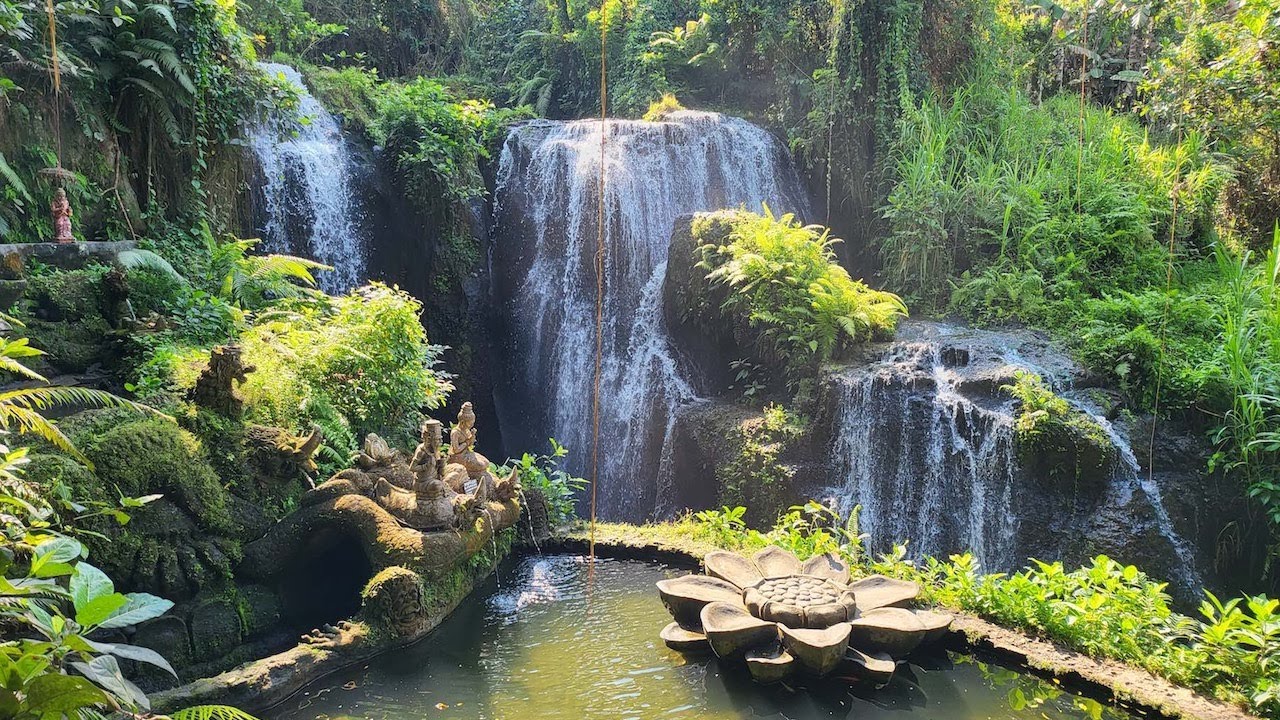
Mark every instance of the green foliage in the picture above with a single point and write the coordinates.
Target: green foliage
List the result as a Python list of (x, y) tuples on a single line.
[(661, 108), (365, 354), (1216, 75), (1026, 212), (251, 281), (1249, 437), (1105, 609), (211, 712), (22, 409), (539, 473), (777, 282), (51, 602), (437, 141), (757, 475)]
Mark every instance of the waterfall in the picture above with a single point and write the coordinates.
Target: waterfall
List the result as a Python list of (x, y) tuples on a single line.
[(928, 465), (544, 273), (924, 442), (308, 189)]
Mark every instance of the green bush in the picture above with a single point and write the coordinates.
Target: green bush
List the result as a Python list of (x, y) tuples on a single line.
[(365, 354), (1026, 209), (778, 285), (540, 473), (437, 141)]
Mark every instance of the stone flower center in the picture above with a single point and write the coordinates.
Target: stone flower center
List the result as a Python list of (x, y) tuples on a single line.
[(798, 590)]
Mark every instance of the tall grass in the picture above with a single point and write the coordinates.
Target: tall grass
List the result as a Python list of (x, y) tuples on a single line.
[(1249, 437), (998, 205)]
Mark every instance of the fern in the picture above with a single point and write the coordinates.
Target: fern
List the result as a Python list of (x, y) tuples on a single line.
[(211, 712), (148, 260)]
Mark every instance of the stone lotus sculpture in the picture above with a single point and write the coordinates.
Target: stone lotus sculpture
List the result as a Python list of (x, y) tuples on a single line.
[(782, 616)]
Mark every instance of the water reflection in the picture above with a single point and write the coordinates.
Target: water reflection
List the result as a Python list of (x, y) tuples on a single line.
[(545, 645)]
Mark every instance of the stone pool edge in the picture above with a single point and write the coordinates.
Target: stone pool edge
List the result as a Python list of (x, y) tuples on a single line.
[(1124, 684), (261, 684)]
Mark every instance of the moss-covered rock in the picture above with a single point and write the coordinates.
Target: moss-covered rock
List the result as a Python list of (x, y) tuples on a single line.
[(176, 546), (395, 600), (153, 455)]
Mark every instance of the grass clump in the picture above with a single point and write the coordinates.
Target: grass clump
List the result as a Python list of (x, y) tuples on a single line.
[(661, 108)]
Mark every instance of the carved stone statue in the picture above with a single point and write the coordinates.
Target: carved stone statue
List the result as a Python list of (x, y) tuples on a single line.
[(426, 492), (60, 208), (215, 388), (426, 464)]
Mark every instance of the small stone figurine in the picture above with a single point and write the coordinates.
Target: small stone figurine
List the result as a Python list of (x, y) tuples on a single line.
[(61, 210)]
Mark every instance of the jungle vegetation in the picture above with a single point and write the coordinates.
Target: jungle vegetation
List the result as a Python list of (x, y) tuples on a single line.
[(1105, 170)]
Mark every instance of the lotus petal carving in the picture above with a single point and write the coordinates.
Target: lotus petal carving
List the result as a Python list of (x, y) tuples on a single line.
[(784, 616)]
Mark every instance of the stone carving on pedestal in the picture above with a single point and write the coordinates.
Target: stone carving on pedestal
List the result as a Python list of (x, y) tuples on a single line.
[(429, 491)]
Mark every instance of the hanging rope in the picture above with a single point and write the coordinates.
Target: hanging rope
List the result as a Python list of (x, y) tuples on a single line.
[(600, 220), (1084, 84), (56, 73)]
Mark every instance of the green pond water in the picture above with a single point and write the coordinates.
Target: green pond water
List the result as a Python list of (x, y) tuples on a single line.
[(540, 641)]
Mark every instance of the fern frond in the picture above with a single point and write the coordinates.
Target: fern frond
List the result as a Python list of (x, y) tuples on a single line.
[(148, 260), (211, 712)]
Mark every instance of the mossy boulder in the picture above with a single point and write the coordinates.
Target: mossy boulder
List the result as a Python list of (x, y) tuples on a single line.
[(176, 546), (153, 455), (395, 599)]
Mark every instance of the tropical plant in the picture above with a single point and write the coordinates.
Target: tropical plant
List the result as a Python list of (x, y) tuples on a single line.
[(1249, 436), (250, 281), (22, 408), (558, 488), (52, 603), (781, 280)]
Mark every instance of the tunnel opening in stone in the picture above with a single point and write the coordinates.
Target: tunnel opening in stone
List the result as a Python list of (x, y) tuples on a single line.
[(324, 582)]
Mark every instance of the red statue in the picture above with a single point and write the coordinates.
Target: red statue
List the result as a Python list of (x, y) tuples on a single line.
[(61, 217)]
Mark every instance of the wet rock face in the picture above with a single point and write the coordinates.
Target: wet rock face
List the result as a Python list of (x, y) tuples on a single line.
[(920, 434)]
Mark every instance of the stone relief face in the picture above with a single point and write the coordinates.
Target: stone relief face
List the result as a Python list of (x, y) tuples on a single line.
[(783, 616)]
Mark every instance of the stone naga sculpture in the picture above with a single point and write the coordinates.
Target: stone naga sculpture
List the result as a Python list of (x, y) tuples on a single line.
[(215, 389)]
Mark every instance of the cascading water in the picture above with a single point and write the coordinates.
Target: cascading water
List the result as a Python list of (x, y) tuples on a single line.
[(924, 442), (308, 189), (933, 468), (544, 275)]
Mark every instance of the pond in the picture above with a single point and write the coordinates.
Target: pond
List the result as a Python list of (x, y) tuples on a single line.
[(541, 641)]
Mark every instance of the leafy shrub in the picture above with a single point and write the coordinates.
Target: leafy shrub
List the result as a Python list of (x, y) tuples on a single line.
[(778, 284), (558, 488), (994, 184), (437, 141), (365, 353)]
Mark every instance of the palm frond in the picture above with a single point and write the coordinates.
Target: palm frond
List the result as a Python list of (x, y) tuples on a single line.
[(148, 260)]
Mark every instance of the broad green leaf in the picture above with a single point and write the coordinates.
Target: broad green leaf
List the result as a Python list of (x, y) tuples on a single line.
[(59, 550), (134, 652), (104, 671), (140, 607), (97, 610), (55, 694), (89, 583)]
